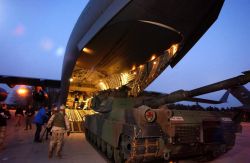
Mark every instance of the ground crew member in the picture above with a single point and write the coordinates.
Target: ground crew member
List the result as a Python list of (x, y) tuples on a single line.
[(60, 125)]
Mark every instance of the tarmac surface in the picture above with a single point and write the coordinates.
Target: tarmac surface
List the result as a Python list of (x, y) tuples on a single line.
[(20, 148)]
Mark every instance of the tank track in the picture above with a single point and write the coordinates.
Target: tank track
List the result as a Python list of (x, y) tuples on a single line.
[(133, 150)]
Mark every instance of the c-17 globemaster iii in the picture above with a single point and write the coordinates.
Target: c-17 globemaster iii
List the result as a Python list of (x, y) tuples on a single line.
[(116, 49)]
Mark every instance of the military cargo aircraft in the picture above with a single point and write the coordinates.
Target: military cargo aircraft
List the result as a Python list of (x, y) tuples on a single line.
[(130, 42), (3, 94), (39, 89)]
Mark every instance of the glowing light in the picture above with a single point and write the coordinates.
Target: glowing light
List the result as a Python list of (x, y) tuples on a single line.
[(141, 66), (153, 57), (134, 73), (103, 86), (173, 49), (133, 67), (124, 78), (87, 50), (22, 91), (71, 79), (154, 62)]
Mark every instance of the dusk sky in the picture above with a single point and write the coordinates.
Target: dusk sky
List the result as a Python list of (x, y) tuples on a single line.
[(34, 34)]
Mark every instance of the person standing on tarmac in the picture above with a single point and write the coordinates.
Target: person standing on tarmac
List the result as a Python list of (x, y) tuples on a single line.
[(29, 112), (19, 115), (4, 115), (50, 113), (40, 118), (60, 125)]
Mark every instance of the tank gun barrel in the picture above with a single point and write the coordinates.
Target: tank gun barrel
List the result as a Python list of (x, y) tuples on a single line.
[(182, 95), (225, 84)]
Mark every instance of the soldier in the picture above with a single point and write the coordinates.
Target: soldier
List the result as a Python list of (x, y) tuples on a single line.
[(60, 126)]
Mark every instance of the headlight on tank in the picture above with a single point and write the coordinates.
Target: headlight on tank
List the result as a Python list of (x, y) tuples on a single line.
[(150, 115)]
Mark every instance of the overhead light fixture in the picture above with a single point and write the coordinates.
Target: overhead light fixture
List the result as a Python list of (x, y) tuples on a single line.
[(133, 67), (22, 91), (153, 57), (103, 86), (87, 50), (173, 49)]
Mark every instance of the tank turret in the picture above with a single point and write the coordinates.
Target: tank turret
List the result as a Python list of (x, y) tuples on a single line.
[(102, 101)]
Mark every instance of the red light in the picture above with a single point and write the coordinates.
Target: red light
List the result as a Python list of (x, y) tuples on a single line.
[(150, 116)]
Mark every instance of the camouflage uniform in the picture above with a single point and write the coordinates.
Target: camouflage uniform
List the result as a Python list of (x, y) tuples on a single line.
[(60, 126)]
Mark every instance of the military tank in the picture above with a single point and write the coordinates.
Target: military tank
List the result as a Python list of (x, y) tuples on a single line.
[(117, 43), (146, 128)]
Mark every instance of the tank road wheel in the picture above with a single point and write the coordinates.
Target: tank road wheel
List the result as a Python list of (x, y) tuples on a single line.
[(98, 142), (103, 146), (118, 156), (109, 151)]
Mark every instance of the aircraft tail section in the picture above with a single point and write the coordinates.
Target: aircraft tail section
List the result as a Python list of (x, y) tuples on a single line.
[(224, 97), (242, 94), (207, 101)]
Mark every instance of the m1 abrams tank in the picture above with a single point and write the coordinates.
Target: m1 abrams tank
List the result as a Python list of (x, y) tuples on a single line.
[(131, 42), (145, 128)]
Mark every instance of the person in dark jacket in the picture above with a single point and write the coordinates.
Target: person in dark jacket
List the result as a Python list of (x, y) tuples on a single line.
[(28, 117), (4, 115), (19, 115), (40, 118)]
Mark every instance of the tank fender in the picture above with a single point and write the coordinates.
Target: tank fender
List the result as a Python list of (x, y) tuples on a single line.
[(111, 132)]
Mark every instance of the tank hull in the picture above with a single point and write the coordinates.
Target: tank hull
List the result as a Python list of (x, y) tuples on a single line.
[(125, 134)]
